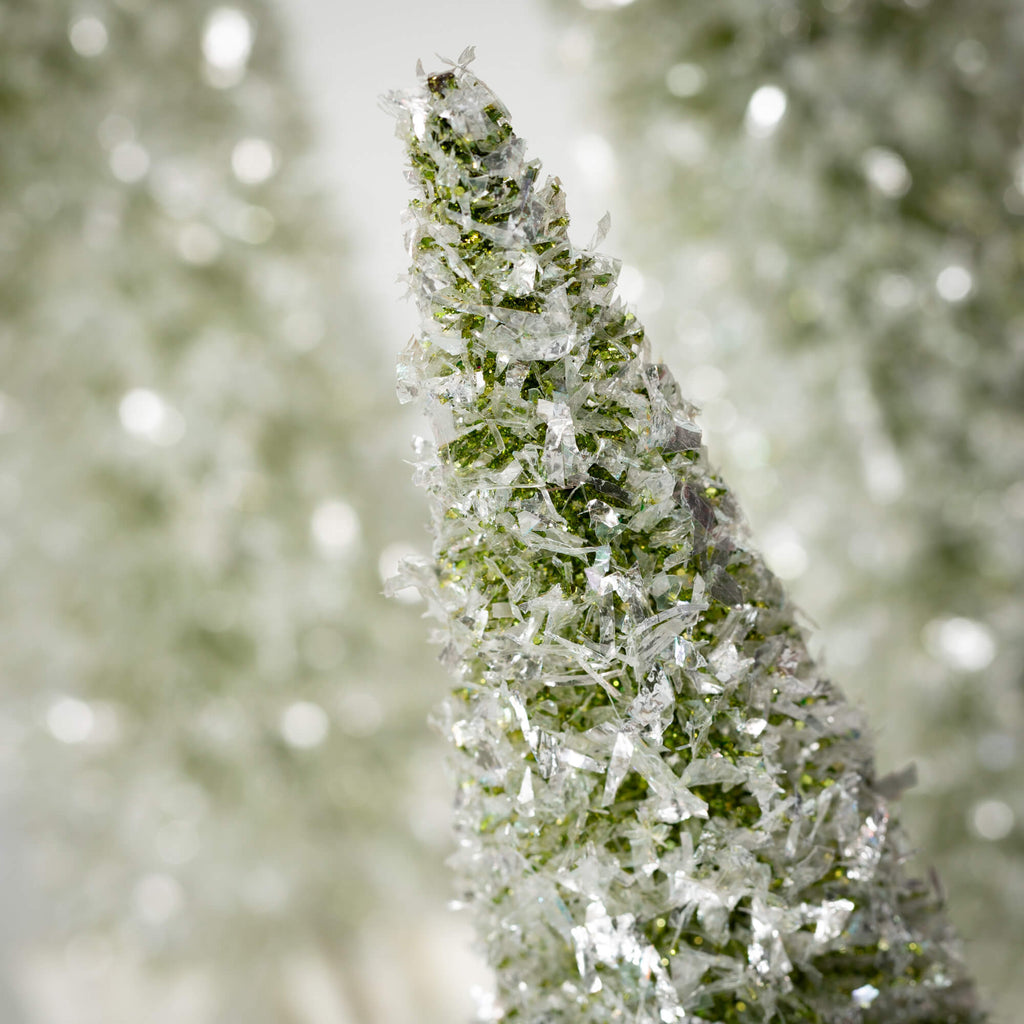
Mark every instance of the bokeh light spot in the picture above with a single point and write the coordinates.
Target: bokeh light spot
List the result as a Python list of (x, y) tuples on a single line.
[(963, 644), (304, 725), (157, 897), (765, 111), (70, 720), (129, 162), (685, 80), (335, 526), (887, 172), (992, 819), (253, 161), (88, 36), (954, 283), (227, 43), (146, 414), (785, 554)]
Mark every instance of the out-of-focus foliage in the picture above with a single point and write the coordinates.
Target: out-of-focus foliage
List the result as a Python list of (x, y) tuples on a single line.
[(210, 715), (830, 194)]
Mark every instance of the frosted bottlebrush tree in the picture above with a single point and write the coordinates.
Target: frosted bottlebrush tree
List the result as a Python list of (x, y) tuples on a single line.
[(800, 176), (665, 811)]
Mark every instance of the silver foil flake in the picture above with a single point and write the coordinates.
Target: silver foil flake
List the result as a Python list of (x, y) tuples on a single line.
[(459, 388), (601, 231), (560, 451), (546, 751), (670, 1008), (864, 996), (525, 797), (442, 424), (727, 663), (629, 586), (574, 759), (464, 733), (767, 953), (829, 919), (528, 521), (604, 940), (706, 685), (515, 375), (707, 899), (866, 851), (686, 654), (519, 710), (523, 275), (597, 574), (618, 767), (407, 383), (681, 805), (651, 710), (602, 513), (526, 337), (715, 770), (650, 649)]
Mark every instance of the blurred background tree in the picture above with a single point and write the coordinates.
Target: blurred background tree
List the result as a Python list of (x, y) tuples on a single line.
[(211, 717), (825, 199)]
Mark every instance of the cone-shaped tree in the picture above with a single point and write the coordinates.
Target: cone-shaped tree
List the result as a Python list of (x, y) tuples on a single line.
[(665, 811)]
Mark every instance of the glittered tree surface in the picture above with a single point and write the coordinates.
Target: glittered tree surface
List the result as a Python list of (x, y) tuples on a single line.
[(208, 706), (833, 192), (665, 811)]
